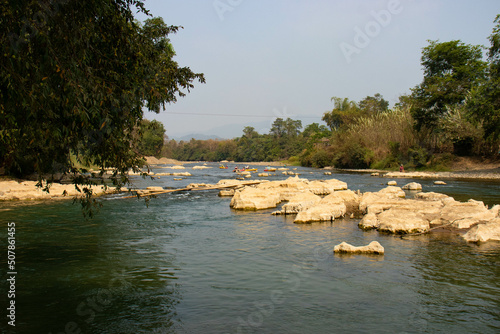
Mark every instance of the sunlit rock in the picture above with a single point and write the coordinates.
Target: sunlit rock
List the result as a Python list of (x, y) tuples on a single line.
[(384, 197), (369, 222), (226, 192), (484, 232), (328, 209), (373, 247), (402, 221), (412, 186), (298, 203), (250, 198)]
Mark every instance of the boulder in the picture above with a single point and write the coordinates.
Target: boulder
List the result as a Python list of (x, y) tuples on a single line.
[(473, 211), (327, 209), (439, 183), (373, 247), (201, 167), (298, 203), (412, 186), (432, 196), (386, 197), (402, 221), (392, 183), (349, 197), (253, 198), (484, 232), (226, 193), (369, 222)]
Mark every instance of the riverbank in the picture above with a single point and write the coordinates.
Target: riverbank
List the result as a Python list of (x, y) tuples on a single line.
[(485, 174), (462, 168), (23, 190)]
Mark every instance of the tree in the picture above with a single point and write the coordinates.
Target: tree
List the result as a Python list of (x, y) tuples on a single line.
[(373, 104), (74, 79), (151, 138), (344, 112), (484, 105), (451, 70)]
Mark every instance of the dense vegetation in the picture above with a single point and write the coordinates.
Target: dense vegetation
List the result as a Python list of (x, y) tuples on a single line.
[(74, 79), (454, 111)]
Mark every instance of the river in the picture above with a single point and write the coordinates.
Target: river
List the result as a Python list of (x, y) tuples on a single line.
[(187, 263)]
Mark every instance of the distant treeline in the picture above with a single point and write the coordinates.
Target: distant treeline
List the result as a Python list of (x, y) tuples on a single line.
[(454, 111)]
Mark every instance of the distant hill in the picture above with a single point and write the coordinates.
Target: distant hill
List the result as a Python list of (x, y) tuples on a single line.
[(197, 136)]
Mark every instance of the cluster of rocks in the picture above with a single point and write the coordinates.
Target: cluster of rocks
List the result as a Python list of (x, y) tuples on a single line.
[(387, 210), (28, 190)]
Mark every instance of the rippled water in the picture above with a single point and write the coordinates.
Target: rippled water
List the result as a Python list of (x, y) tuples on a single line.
[(190, 264)]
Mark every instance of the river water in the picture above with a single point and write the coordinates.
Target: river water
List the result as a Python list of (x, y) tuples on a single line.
[(187, 263)]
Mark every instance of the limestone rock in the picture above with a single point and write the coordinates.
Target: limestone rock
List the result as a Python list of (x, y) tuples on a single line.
[(369, 222), (174, 174), (386, 198), (299, 202), (327, 209), (456, 211), (373, 247), (439, 183), (349, 197), (432, 196), (250, 198), (412, 186), (226, 192), (392, 183), (484, 232), (27, 190), (402, 221), (154, 188)]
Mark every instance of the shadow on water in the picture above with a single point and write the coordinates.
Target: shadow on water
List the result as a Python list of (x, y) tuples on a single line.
[(111, 274)]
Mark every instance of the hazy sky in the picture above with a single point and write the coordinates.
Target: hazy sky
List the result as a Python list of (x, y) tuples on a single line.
[(287, 58)]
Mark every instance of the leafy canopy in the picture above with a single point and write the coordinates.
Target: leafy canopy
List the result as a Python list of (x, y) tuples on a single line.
[(451, 70), (74, 79)]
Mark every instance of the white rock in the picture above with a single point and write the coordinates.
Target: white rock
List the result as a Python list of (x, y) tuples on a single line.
[(412, 186), (373, 247), (484, 232)]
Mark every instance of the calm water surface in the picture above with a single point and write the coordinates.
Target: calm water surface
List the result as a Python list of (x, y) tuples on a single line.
[(190, 264)]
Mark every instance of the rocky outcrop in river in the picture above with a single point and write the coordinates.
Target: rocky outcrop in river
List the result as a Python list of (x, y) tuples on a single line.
[(387, 210)]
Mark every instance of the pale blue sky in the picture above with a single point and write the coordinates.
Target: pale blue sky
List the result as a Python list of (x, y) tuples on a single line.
[(287, 58)]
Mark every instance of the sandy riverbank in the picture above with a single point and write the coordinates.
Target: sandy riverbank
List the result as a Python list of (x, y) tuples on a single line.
[(462, 168), (22, 190)]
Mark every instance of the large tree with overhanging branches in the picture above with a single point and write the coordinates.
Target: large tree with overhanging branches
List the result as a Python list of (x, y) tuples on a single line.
[(75, 77)]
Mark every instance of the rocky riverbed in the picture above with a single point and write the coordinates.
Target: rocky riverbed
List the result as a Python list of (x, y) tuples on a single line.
[(388, 210)]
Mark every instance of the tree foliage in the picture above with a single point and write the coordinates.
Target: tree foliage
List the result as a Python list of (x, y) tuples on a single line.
[(150, 138), (451, 70), (75, 77)]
